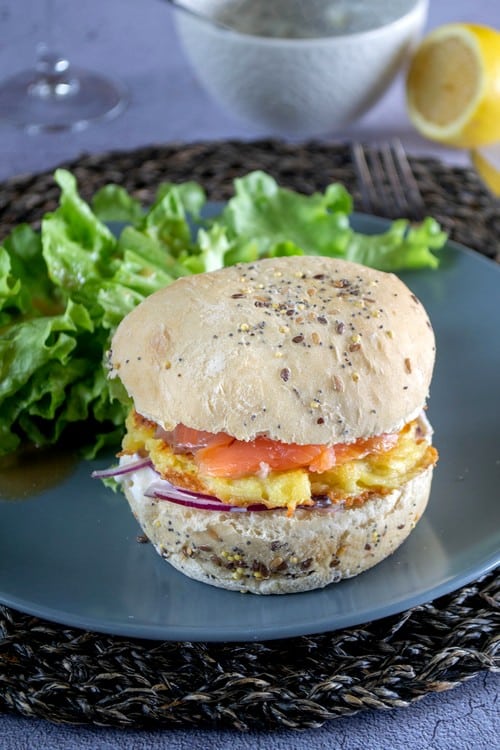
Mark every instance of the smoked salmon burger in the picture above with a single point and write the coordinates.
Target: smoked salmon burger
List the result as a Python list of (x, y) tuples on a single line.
[(277, 441)]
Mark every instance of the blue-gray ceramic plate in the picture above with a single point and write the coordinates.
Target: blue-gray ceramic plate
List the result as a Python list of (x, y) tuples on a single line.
[(69, 550)]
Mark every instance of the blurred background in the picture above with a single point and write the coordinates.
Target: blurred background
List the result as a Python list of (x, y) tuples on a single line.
[(137, 44)]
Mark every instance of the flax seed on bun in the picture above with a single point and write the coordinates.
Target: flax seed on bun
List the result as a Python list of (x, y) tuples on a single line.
[(299, 350)]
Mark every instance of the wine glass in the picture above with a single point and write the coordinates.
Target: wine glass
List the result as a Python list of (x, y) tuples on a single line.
[(54, 95)]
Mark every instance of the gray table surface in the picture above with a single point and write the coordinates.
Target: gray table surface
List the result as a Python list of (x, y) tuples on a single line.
[(136, 43)]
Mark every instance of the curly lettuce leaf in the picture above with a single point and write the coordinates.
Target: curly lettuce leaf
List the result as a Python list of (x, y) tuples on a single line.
[(112, 203), (270, 215), (62, 293), (401, 247), (280, 221), (49, 378), (167, 223), (25, 288)]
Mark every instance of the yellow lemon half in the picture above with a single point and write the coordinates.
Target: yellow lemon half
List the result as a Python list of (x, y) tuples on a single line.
[(453, 85), (486, 160)]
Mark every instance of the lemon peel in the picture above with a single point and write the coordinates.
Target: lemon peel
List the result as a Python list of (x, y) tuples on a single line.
[(453, 85), (486, 161)]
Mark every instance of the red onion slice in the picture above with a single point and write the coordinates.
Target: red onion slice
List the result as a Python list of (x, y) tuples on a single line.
[(163, 490), (121, 469)]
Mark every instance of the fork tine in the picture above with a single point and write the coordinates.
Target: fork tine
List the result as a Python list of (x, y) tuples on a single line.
[(414, 197), (388, 186), (396, 201), (369, 197), (377, 196)]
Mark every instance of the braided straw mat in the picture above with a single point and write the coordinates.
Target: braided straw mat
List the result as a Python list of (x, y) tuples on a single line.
[(67, 675)]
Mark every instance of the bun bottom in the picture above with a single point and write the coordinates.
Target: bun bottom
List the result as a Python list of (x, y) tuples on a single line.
[(269, 552)]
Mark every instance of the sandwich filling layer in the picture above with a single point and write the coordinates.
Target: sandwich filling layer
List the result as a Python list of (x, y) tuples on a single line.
[(280, 475)]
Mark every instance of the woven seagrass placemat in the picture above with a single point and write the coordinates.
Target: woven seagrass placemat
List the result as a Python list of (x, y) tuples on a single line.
[(67, 675)]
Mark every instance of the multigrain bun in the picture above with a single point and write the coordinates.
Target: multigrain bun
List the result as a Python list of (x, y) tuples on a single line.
[(303, 350), (269, 552), (307, 351)]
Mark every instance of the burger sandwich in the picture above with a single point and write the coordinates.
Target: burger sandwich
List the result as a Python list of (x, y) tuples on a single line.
[(278, 441)]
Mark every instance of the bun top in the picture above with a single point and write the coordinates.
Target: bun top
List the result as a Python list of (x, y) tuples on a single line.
[(301, 349)]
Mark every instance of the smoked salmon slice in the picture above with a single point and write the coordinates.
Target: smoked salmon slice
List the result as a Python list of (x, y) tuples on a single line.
[(220, 455), (259, 456), (184, 439)]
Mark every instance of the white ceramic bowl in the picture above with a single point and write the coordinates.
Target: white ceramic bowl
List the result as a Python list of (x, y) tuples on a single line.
[(297, 86)]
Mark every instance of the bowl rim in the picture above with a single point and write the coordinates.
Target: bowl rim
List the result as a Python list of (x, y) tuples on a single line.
[(418, 7)]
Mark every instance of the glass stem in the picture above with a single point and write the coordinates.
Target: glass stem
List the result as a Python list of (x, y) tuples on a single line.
[(53, 75)]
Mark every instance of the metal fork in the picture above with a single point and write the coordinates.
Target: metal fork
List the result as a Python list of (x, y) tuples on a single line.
[(388, 186)]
